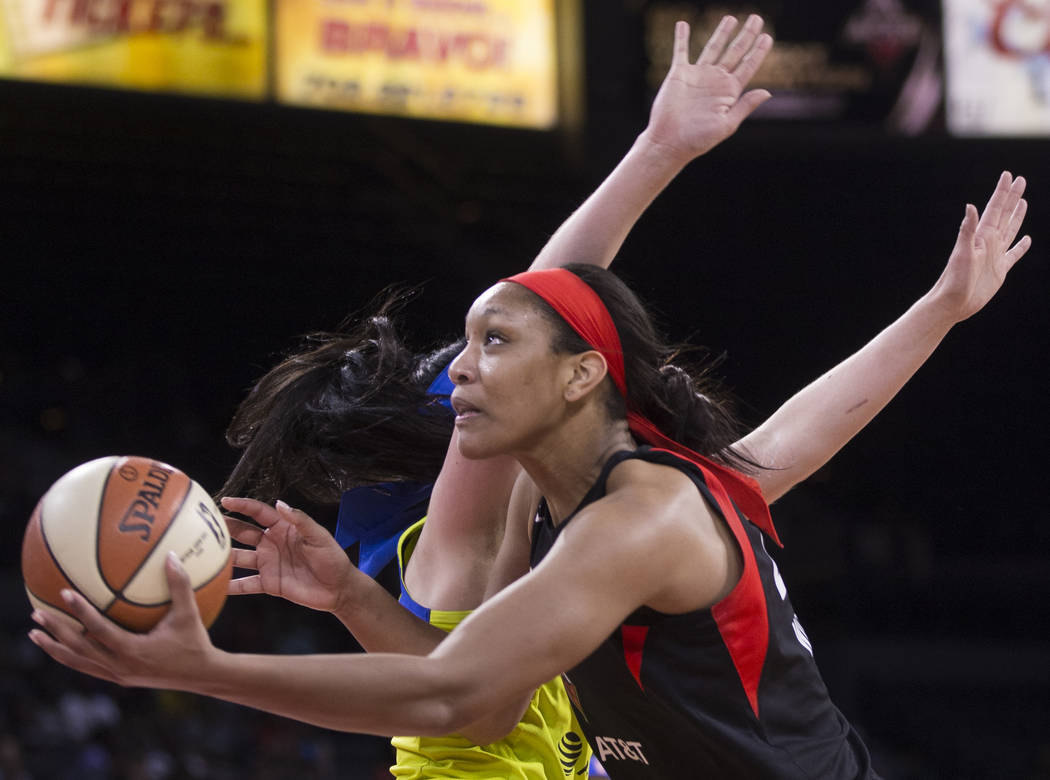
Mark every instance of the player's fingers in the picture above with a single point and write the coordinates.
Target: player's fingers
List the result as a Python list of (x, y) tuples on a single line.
[(680, 56), (70, 658), (66, 632), (105, 632), (245, 559), (261, 513), (754, 58), (1010, 230), (747, 103), (1019, 250), (62, 628), (305, 524), (969, 226), (993, 209), (245, 533), (245, 586), (182, 600), (716, 44), (1007, 205), (742, 44), (1013, 197)]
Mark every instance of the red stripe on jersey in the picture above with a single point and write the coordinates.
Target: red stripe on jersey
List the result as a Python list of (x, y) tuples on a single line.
[(741, 616), (633, 638)]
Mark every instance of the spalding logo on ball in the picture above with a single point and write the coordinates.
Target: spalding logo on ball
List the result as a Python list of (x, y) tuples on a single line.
[(105, 529)]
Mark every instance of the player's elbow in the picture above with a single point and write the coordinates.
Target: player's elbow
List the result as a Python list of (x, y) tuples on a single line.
[(462, 707), (497, 724)]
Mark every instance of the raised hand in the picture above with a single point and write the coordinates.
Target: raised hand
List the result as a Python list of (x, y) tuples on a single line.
[(294, 557), (984, 251), (701, 104), (172, 655)]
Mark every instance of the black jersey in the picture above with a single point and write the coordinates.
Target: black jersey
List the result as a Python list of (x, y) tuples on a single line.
[(726, 692)]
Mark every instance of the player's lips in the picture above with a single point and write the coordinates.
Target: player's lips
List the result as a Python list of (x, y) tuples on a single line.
[(464, 409)]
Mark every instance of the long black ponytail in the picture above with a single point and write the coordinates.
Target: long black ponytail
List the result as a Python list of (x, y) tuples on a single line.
[(346, 408)]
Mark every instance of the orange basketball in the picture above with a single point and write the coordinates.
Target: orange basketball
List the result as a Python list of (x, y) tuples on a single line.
[(105, 528)]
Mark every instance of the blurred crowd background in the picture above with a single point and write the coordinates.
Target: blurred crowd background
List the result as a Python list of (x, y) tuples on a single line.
[(161, 248)]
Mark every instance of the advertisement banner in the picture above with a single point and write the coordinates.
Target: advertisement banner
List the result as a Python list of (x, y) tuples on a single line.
[(998, 62), (868, 64), (487, 61), (202, 47)]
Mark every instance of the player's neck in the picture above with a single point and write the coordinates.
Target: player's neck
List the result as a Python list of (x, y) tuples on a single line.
[(564, 470)]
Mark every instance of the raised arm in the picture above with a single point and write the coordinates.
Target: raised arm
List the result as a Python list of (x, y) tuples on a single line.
[(698, 106), (814, 424)]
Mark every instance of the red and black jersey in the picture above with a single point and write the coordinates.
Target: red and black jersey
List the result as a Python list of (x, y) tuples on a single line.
[(726, 692)]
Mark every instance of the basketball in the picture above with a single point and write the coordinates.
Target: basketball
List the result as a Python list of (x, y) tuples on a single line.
[(105, 528)]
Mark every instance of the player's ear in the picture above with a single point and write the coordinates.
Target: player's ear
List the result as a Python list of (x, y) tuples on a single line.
[(588, 370)]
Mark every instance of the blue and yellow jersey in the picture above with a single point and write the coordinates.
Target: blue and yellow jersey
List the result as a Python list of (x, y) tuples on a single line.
[(547, 744)]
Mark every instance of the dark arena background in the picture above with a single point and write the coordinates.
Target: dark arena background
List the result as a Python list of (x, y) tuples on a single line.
[(161, 250)]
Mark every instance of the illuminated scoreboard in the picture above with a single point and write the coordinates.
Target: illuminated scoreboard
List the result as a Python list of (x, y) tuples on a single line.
[(487, 61), (207, 47)]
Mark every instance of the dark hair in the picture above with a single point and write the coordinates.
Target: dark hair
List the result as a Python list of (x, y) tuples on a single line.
[(687, 403), (348, 408)]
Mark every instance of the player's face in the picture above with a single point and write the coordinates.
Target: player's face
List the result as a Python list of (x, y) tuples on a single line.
[(509, 384)]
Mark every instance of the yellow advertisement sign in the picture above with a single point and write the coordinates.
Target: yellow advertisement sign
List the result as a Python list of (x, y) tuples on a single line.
[(487, 61), (204, 47)]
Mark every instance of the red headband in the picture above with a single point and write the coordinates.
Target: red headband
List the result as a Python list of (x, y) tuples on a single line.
[(579, 305)]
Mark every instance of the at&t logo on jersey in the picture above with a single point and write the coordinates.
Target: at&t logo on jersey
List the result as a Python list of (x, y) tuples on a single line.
[(619, 750)]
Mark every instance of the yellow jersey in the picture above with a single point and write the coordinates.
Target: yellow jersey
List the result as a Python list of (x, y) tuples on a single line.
[(546, 745)]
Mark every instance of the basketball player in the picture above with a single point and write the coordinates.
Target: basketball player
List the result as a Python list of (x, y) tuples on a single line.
[(650, 583), (344, 412), (347, 407)]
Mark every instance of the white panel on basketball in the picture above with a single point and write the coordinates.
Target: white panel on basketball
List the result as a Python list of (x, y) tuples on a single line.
[(69, 522), (200, 539)]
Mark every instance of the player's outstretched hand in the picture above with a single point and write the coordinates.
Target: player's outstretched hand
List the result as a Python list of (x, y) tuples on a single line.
[(984, 251), (702, 103), (294, 557), (172, 655)]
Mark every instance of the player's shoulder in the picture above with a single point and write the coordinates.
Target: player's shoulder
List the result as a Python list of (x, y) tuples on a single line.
[(682, 538), (647, 504), (656, 487)]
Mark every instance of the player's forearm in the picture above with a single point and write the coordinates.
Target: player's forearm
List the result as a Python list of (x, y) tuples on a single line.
[(364, 693), (380, 624), (819, 420), (595, 232)]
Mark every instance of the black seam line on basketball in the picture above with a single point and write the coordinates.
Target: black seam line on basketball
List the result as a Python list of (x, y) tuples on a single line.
[(195, 589), (131, 577), (60, 567), (98, 535)]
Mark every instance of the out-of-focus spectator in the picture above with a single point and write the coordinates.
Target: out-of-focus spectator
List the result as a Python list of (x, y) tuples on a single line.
[(12, 767)]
